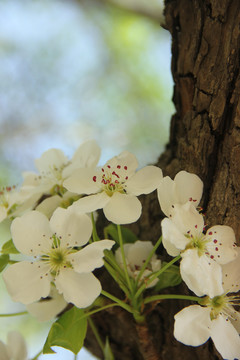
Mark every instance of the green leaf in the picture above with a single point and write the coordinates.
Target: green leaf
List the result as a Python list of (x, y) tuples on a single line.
[(170, 277), (9, 248), (3, 261), (108, 355), (127, 235), (68, 331)]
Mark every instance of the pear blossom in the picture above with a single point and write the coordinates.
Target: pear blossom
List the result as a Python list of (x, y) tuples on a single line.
[(217, 318), (59, 257), (202, 253), (48, 308), (54, 167), (185, 187), (136, 255), (114, 187), (15, 349)]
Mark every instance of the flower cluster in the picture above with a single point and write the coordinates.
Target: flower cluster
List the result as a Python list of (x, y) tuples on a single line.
[(54, 235)]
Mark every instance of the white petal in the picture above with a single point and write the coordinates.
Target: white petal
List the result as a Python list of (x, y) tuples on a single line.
[(48, 205), (225, 338), (173, 240), (125, 159), (123, 209), (189, 187), (52, 158), (47, 309), (91, 203), (83, 181), (71, 226), (90, 257), (26, 282), (3, 213), (201, 274), (31, 233), (167, 195), (192, 325), (187, 219), (17, 348), (138, 252), (3, 352), (144, 181), (222, 245), (78, 289), (231, 274), (87, 155)]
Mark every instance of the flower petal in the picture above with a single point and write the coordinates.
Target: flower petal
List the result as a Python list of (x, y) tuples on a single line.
[(222, 245), (91, 203), (16, 344), (173, 240), (189, 187), (82, 181), (167, 195), (225, 337), (192, 325), (47, 309), (125, 159), (26, 282), (50, 159), (144, 181), (87, 155), (231, 274), (31, 233), (201, 274), (122, 209), (90, 257), (3, 351), (187, 219), (48, 205), (78, 289), (71, 226)]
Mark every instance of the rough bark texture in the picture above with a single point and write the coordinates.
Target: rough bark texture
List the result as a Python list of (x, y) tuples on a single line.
[(204, 139)]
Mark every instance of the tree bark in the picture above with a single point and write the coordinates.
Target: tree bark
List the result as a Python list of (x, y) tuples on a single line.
[(205, 140)]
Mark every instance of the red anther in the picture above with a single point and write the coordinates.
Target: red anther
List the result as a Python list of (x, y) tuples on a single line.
[(215, 241), (116, 182), (8, 188), (210, 233), (190, 199), (119, 166), (125, 167), (216, 248), (194, 200), (109, 166), (195, 226), (126, 177), (94, 178), (102, 169), (212, 257)]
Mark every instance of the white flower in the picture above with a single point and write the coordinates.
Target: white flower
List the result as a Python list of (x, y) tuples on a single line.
[(185, 187), (47, 308), (54, 245), (115, 187), (217, 319), (15, 349), (202, 253), (54, 167), (136, 254)]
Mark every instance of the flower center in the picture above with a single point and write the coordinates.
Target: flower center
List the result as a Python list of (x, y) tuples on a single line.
[(222, 305), (112, 179), (198, 242), (57, 257), (4, 195)]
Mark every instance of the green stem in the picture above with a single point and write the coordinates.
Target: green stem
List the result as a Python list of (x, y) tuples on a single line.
[(117, 278), (153, 276), (148, 259), (94, 232), (118, 301), (38, 354), (96, 334), (14, 314), (170, 296), (124, 258)]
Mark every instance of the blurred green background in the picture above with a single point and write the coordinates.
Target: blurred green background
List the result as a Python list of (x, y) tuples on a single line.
[(75, 70)]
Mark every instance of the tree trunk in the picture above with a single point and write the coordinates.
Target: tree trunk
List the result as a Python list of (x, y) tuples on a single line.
[(205, 140)]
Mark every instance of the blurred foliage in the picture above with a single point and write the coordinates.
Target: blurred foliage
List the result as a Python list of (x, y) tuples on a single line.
[(97, 72)]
